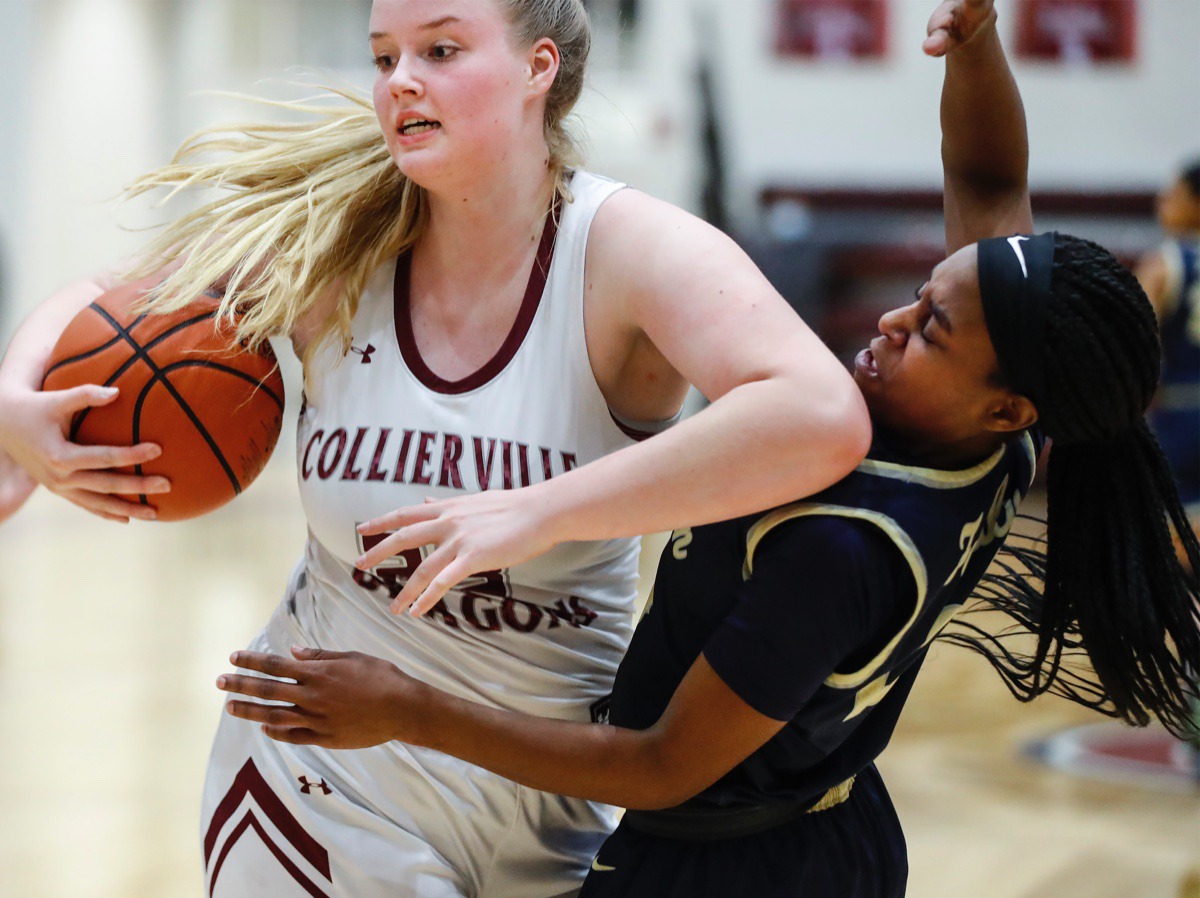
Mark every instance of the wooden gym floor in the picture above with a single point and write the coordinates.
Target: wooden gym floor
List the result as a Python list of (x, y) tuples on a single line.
[(111, 638)]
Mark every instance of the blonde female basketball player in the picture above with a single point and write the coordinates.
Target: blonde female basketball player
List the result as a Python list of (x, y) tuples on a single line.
[(482, 324)]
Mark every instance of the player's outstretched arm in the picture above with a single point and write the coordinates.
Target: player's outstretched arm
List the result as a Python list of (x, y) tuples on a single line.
[(985, 148), (33, 424), (352, 700)]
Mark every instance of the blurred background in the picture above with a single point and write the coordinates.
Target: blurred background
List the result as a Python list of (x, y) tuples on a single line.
[(808, 129)]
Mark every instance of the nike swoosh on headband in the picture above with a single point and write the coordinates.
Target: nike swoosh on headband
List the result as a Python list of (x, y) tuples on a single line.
[(1015, 243)]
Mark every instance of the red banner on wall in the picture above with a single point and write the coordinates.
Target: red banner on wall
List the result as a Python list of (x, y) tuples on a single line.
[(831, 29), (1077, 31)]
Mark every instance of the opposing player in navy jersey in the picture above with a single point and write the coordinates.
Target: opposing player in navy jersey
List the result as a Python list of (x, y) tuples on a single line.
[(1171, 278)]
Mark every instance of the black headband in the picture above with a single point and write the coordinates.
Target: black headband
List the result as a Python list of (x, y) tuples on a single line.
[(1014, 281)]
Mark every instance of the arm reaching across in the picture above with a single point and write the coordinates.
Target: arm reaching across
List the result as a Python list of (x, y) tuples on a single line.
[(351, 700), (786, 419)]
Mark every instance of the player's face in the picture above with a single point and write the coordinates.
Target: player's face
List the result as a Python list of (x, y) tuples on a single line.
[(450, 92), (930, 377)]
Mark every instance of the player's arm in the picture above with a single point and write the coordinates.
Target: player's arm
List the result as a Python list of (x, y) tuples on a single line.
[(785, 419), (818, 592), (985, 147), (1155, 275), (350, 700), (33, 424)]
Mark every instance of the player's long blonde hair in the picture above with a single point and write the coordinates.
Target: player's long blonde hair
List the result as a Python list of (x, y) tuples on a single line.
[(308, 205)]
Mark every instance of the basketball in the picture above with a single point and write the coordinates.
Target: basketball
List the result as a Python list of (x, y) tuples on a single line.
[(185, 384)]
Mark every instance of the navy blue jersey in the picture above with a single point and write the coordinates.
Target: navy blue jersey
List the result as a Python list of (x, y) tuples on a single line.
[(1181, 322), (819, 613), (1176, 416)]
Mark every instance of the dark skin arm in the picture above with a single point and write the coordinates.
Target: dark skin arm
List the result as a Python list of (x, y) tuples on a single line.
[(985, 146), (351, 700)]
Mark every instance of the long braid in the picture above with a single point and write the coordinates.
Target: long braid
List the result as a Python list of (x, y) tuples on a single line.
[(1111, 582)]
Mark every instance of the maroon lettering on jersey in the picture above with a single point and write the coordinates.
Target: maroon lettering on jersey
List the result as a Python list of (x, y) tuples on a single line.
[(547, 471), (506, 464), (402, 459), (421, 472), (443, 613), (569, 461), (374, 473), (521, 616), (327, 462), (483, 462), (452, 449), (306, 470), (350, 472), (523, 463), (577, 615), (470, 611)]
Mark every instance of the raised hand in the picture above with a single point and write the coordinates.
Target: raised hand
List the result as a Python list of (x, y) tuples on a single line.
[(954, 23), (337, 699), (33, 428), (470, 534)]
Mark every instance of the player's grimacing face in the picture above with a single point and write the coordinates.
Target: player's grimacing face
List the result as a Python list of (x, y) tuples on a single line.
[(929, 376), (448, 84)]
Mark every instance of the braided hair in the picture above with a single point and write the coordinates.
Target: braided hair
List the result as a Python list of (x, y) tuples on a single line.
[(1117, 615)]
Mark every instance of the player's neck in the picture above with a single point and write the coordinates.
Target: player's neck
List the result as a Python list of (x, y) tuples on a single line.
[(947, 456), (480, 230)]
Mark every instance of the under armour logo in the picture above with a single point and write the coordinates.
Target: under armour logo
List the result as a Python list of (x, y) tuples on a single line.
[(306, 787), (1015, 243), (365, 353)]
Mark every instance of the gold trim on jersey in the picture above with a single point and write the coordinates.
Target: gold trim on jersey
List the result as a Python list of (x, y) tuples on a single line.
[(939, 479), (835, 796), (893, 531)]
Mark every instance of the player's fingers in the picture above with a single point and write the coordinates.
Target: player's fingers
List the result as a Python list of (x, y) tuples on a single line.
[(261, 687), (275, 715), (419, 580), (308, 653), (110, 482), (940, 30), (451, 575), (411, 537), (77, 399), (103, 504), (97, 457), (401, 517), (937, 44), (294, 735), (268, 663), (107, 517)]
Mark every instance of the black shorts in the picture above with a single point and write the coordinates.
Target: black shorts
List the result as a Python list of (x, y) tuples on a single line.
[(853, 850)]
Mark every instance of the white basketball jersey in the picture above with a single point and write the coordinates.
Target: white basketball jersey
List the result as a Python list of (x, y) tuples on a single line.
[(379, 431)]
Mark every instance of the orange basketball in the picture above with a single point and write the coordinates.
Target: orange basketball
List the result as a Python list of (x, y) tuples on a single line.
[(214, 408)]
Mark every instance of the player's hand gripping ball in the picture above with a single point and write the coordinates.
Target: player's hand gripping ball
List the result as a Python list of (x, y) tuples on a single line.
[(185, 384)]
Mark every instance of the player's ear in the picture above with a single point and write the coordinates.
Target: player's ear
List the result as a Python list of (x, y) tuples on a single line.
[(1009, 413), (543, 65)]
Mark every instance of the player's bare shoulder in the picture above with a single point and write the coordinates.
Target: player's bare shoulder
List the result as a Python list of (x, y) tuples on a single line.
[(638, 244)]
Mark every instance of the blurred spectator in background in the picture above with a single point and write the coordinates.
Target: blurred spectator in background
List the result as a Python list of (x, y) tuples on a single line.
[(1170, 276)]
